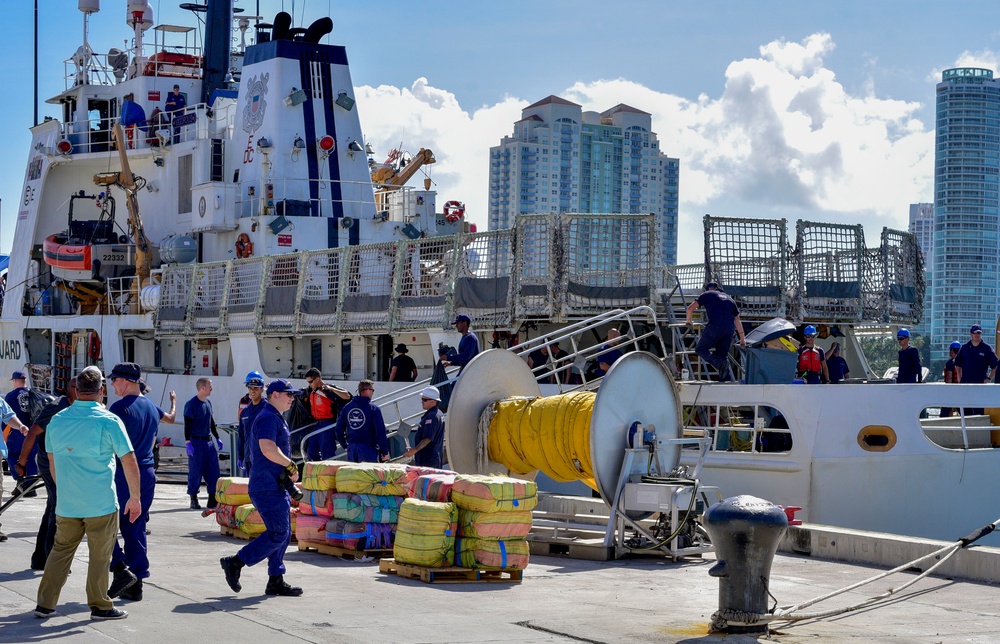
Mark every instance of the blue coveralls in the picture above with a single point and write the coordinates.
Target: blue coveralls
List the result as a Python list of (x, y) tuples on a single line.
[(142, 420), (975, 361), (268, 497), (909, 365), (468, 348), (247, 415), (198, 424), (361, 422), (432, 427), (47, 527), (717, 336), (18, 401)]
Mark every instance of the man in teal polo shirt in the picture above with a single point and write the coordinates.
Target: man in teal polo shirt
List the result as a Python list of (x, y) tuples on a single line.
[(82, 442)]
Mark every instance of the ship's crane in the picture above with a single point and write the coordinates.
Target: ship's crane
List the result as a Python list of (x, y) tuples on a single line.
[(386, 177), (127, 182)]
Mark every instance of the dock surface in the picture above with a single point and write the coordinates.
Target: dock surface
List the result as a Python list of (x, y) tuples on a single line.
[(559, 600)]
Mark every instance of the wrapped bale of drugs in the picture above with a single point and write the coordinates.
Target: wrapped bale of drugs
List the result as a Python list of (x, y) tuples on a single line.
[(360, 536), (381, 479), (432, 487), (493, 493), (491, 554), (514, 524), (321, 475), (248, 519), (366, 508), (233, 490), (225, 515), (317, 502), (425, 534), (311, 528)]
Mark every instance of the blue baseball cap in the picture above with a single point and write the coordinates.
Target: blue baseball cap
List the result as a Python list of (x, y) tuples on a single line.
[(462, 317), (281, 386), (956, 345), (126, 371), (18, 375), (976, 329)]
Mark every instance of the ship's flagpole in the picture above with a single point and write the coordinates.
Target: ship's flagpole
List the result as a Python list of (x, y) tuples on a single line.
[(36, 63)]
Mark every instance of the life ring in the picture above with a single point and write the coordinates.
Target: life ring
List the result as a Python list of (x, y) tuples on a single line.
[(95, 346), (244, 247), (454, 210)]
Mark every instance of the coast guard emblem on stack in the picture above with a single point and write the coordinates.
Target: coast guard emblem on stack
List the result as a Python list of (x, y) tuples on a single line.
[(253, 113)]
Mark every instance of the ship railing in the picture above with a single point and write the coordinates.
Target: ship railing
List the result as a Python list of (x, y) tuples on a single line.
[(122, 296), (157, 59), (737, 428), (316, 198), (568, 372)]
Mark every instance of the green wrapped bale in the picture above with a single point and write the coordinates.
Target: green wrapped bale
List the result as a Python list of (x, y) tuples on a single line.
[(494, 493), (425, 534), (380, 479)]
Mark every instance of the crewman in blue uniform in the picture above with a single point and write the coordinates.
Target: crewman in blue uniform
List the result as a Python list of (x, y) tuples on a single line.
[(361, 428), (974, 358), (250, 406), (130, 564), (717, 335), (429, 448), (909, 370), (269, 452), (468, 346), (20, 401), (202, 450)]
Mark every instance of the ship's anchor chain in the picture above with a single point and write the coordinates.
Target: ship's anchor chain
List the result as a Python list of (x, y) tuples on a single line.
[(723, 618)]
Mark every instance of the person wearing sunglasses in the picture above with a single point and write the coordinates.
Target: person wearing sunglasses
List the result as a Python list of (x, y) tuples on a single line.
[(360, 424), (429, 448), (325, 403)]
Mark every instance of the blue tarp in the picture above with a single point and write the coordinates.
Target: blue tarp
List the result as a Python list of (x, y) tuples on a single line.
[(4, 262)]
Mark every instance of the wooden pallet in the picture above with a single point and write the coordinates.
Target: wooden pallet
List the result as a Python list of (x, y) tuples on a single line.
[(343, 553), (236, 533), (453, 575)]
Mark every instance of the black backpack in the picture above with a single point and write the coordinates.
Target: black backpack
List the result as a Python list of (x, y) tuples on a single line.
[(37, 401)]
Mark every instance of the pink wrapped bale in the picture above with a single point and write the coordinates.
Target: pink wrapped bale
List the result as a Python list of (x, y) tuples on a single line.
[(413, 472), (311, 528), (432, 487), (360, 536), (317, 502), (321, 475), (494, 525), (488, 554), (233, 490), (380, 479), (494, 493), (225, 515), (366, 508)]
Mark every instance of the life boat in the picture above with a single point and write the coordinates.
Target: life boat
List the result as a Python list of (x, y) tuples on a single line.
[(173, 64), (454, 210), (86, 247)]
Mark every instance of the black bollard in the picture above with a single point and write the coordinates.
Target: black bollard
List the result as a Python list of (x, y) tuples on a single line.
[(745, 531)]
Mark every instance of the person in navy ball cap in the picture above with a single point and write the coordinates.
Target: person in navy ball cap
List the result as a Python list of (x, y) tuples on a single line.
[(468, 346), (976, 361)]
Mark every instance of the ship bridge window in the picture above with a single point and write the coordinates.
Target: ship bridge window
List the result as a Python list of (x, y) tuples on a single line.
[(738, 428), (962, 427)]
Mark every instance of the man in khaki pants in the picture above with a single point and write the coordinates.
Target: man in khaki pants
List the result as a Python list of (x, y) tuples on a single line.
[(82, 442)]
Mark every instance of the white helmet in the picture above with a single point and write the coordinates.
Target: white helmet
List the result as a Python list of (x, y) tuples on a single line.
[(432, 393)]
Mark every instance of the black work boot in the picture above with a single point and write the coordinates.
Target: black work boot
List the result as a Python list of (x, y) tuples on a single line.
[(121, 580), (194, 502), (134, 592), (276, 585), (233, 565)]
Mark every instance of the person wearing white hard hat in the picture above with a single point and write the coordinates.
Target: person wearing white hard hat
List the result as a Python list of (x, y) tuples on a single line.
[(429, 450)]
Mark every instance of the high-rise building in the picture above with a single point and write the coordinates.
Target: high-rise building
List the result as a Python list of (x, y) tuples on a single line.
[(922, 226), (562, 159), (966, 247)]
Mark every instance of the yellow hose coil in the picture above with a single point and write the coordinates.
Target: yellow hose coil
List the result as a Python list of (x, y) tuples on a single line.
[(549, 434)]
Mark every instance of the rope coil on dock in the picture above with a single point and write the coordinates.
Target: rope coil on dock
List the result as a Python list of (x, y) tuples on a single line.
[(550, 434)]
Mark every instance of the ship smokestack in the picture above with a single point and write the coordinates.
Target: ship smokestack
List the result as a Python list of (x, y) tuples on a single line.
[(218, 27)]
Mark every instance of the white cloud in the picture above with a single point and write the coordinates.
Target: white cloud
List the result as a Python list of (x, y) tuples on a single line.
[(784, 138)]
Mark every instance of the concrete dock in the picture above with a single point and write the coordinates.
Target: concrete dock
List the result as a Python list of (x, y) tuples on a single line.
[(559, 600)]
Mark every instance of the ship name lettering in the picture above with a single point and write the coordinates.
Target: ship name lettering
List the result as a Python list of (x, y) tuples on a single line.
[(10, 350)]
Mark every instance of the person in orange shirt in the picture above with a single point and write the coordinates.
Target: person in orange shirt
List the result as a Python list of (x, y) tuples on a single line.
[(325, 402)]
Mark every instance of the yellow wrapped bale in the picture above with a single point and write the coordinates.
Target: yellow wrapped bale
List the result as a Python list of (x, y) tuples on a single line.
[(381, 479), (494, 493), (248, 519), (232, 490), (425, 534), (321, 475), (494, 525), (489, 554)]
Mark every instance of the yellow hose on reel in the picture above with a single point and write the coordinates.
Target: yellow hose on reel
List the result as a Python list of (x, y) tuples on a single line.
[(549, 434)]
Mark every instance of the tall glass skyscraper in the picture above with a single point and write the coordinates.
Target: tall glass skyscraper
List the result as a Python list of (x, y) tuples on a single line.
[(562, 159), (922, 226), (966, 207)]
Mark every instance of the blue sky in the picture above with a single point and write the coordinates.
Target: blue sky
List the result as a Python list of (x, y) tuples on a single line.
[(822, 111)]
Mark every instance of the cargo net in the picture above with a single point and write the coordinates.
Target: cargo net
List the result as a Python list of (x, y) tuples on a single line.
[(280, 290), (245, 278), (903, 298), (749, 260), (483, 278), (41, 377), (320, 293), (422, 300), (609, 262), (366, 302), (209, 290), (690, 279), (175, 285), (537, 263), (829, 259)]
